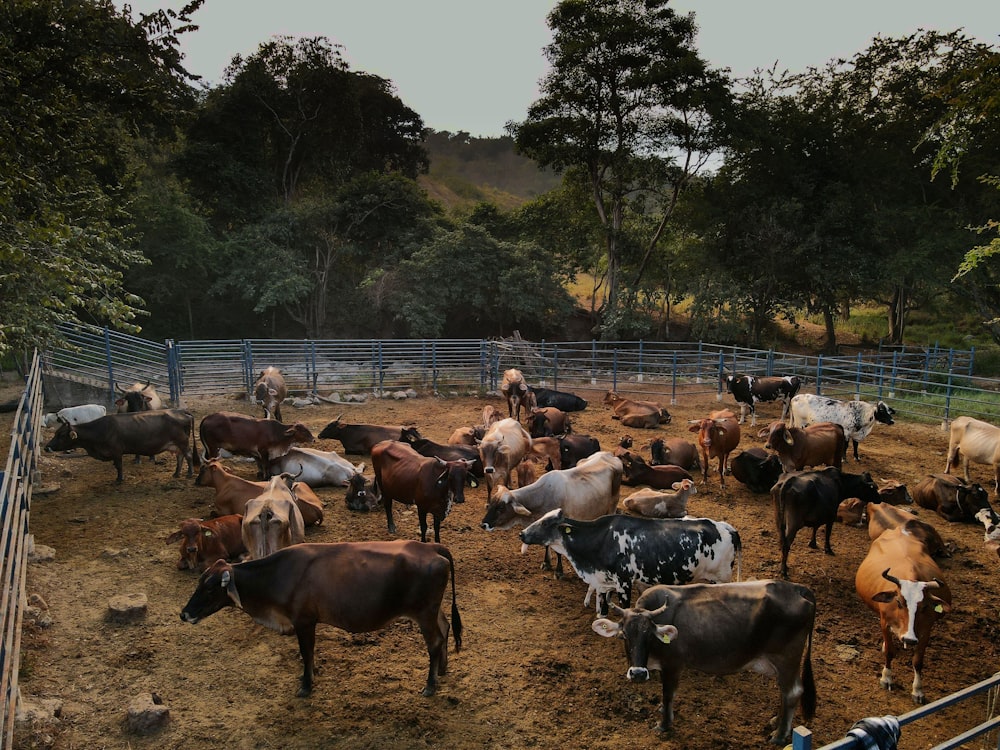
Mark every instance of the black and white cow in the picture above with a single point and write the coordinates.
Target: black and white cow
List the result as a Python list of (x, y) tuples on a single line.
[(856, 417), (749, 390), (559, 399), (612, 552)]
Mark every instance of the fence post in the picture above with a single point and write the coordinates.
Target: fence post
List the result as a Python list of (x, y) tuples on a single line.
[(857, 379), (555, 367), (881, 378), (482, 364), (819, 375), (947, 405), (107, 360), (770, 362), (248, 366), (315, 371), (972, 359), (697, 366), (639, 376), (927, 371), (719, 376), (541, 376), (434, 366), (673, 382), (172, 373), (593, 361), (381, 370), (614, 369), (892, 378), (801, 739)]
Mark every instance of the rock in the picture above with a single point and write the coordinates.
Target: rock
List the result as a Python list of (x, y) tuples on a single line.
[(41, 553), (410, 393), (37, 710), (399, 395), (127, 608), (111, 554), (146, 714), (846, 653)]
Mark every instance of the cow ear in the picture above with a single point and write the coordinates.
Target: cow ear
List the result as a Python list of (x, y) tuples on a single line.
[(666, 633), (788, 438), (941, 606), (519, 509), (72, 435), (119, 402), (605, 627), (206, 531), (226, 578), (271, 392), (884, 597), (695, 427), (175, 537)]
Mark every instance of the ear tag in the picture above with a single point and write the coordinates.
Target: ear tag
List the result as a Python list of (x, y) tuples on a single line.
[(206, 532), (938, 608), (665, 638), (566, 530), (604, 626)]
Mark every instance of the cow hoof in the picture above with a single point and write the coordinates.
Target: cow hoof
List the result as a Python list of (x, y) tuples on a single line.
[(303, 692), (919, 698), (428, 691)]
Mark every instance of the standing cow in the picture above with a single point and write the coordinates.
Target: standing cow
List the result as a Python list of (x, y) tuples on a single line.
[(749, 390), (718, 436), (515, 391), (269, 391), (856, 417), (976, 441), (138, 397)]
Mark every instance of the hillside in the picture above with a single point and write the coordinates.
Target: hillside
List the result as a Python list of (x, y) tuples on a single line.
[(465, 171)]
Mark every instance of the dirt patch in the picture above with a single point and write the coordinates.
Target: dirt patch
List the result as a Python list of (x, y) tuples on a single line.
[(532, 673)]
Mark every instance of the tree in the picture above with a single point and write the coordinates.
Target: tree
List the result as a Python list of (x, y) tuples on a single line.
[(78, 81), (627, 103)]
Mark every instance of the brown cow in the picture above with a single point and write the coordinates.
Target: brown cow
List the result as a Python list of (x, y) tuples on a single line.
[(269, 391), (661, 504), (548, 421), (515, 391), (644, 414), (822, 443), (718, 436), (548, 450), (466, 436), (674, 451), (528, 470), (575, 448), (358, 496), (272, 520), (203, 541), (360, 438), (900, 582), (954, 499), (263, 439), (432, 484), (882, 517), (638, 472), (232, 492), (359, 587), (501, 449)]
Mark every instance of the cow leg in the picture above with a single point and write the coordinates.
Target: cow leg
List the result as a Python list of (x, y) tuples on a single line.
[(917, 690), (277, 412), (829, 530), (387, 502), (306, 634), (785, 548), (855, 442), (812, 540), (180, 462), (787, 671), (437, 528), (889, 650), (668, 683), (118, 466)]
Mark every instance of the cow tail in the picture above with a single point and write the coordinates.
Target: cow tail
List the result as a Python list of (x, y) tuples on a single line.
[(456, 619), (778, 495), (195, 454), (808, 683), (738, 548)]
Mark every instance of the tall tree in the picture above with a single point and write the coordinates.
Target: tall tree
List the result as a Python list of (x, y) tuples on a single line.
[(627, 104)]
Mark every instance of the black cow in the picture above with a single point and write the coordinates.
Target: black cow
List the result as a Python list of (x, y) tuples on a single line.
[(749, 390), (811, 498), (360, 438), (559, 399), (757, 469), (449, 452), (355, 586), (575, 448), (612, 552), (722, 628), (144, 433)]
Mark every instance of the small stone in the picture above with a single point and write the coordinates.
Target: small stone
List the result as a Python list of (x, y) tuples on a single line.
[(146, 714), (127, 608)]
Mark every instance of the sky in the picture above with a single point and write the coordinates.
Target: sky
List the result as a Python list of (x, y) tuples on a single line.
[(474, 65)]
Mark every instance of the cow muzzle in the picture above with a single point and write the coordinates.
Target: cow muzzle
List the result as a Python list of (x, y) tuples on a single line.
[(488, 469), (637, 674)]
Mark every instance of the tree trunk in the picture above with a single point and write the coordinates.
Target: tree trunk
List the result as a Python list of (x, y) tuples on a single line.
[(830, 347)]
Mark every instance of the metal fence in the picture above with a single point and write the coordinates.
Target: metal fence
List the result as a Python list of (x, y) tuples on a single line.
[(15, 503)]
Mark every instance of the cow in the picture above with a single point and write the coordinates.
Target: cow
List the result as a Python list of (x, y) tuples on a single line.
[(718, 436), (203, 541), (232, 492), (589, 490), (359, 587), (756, 468), (466, 436), (515, 391), (145, 433), (269, 391), (75, 415), (624, 446), (528, 470), (490, 415), (638, 472), (430, 449), (894, 493), (822, 443), (358, 497), (272, 520), (722, 628), (856, 417), (548, 450), (661, 504), (501, 449), (644, 414), (611, 552), (749, 390), (432, 484), (976, 441), (547, 421), (955, 500), (360, 438), (263, 439), (315, 468), (882, 517), (138, 397), (851, 512), (900, 582), (674, 451), (559, 399), (811, 498), (575, 448)]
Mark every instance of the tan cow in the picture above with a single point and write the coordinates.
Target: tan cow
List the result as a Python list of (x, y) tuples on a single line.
[(272, 520), (661, 503), (269, 391), (501, 449), (644, 414), (232, 493), (515, 391)]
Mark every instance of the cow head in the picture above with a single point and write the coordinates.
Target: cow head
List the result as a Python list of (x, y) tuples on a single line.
[(299, 433), (452, 478), (333, 430), (209, 473), (216, 589), (642, 636), (63, 440), (894, 493), (409, 435), (503, 511), (611, 398), (884, 413), (358, 497), (777, 433), (916, 602)]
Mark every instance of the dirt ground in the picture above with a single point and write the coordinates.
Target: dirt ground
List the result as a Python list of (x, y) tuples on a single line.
[(531, 674)]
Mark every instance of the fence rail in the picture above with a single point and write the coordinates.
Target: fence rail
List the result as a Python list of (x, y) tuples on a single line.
[(15, 503)]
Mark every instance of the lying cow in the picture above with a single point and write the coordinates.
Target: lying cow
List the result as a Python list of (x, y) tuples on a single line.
[(722, 628), (203, 541), (75, 415), (358, 496), (613, 551), (976, 441), (900, 582), (143, 433), (432, 484), (674, 451), (882, 517), (359, 587), (955, 500), (819, 444), (575, 448), (638, 472), (269, 391), (316, 468), (749, 390), (645, 414), (661, 504), (232, 492), (263, 439), (811, 498), (856, 417), (756, 468), (360, 438), (272, 520), (547, 421), (558, 399)]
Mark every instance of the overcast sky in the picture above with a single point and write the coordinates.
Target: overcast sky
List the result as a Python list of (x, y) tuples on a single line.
[(473, 65)]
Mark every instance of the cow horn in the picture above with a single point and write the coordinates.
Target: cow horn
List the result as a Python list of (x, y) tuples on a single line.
[(654, 613), (616, 609), (890, 578), (119, 388), (938, 583)]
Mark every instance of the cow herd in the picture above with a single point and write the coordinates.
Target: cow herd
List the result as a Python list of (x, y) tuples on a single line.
[(565, 493)]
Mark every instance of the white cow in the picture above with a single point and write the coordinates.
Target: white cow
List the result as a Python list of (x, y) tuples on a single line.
[(976, 441), (272, 521), (316, 468), (856, 417), (75, 415)]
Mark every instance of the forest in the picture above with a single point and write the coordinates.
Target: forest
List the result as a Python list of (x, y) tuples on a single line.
[(301, 198)]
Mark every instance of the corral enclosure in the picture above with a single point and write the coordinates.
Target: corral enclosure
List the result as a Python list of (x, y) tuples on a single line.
[(531, 673)]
